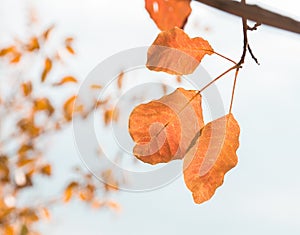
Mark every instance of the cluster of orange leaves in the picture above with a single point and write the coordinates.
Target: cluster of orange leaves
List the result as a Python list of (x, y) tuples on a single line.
[(33, 117), (172, 127)]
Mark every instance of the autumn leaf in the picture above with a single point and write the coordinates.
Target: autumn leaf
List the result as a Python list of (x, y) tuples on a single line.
[(47, 68), (46, 170), (110, 115), (67, 79), (33, 44), (68, 108), (43, 104), (176, 53), (163, 129), (168, 14), (120, 79), (69, 191), (214, 154), (26, 88)]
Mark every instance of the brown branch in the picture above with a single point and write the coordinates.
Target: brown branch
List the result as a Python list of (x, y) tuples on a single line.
[(255, 13)]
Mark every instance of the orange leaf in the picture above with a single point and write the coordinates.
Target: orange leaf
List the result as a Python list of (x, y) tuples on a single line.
[(163, 129), (120, 80), (33, 44), (70, 49), (46, 170), (43, 104), (175, 53), (47, 32), (208, 160), (27, 88), (69, 191), (68, 108), (96, 86), (65, 80), (168, 14), (8, 50), (47, 68), (111, 115)]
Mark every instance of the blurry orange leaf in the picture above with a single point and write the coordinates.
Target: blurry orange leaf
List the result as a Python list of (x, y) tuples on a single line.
[(120, 79), (111, 115), (47, 68), (66, 80), (9, 230), (111, 184), (178, 79), (168, 14), (16, 58), (23, 160), (27, 125), (33, 44), (43, 104), (208, 160), (46, 170), (163, 129), (87, 194), (69, 191), (70, 49), (25, 148), (29, 215), (69, 40), (5, 51), (46, 213), (96, 86), (175, 53), (68, 108), (4, 170), (47, 32), (114, 205), (27, 88)]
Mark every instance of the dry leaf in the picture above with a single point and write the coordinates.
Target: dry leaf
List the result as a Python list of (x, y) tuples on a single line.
[(33, 44), (120, 80), (175, 53), (27, 88), (46, 170), (213, 154), (168, 14), (68, 108), (47, 69), (66, 80), (70, 49), (163, 129), (69, 191), (43, 104), (111, 115)]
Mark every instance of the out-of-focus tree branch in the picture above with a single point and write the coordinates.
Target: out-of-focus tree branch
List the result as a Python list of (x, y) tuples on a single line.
[(255, 13)]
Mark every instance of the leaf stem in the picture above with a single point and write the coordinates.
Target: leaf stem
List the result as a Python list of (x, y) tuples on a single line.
[(225, 57), (233, 89)]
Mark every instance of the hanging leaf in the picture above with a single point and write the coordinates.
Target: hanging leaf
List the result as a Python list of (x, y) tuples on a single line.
[(163, 129), (168, 14), (175, 53), (47, 68), (68, 79), (213, 154)]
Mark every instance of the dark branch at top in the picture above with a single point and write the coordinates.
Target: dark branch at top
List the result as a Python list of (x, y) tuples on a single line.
[(255, 13)]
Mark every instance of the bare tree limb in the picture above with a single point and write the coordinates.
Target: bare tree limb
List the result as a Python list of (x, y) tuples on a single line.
[(255, 13)]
